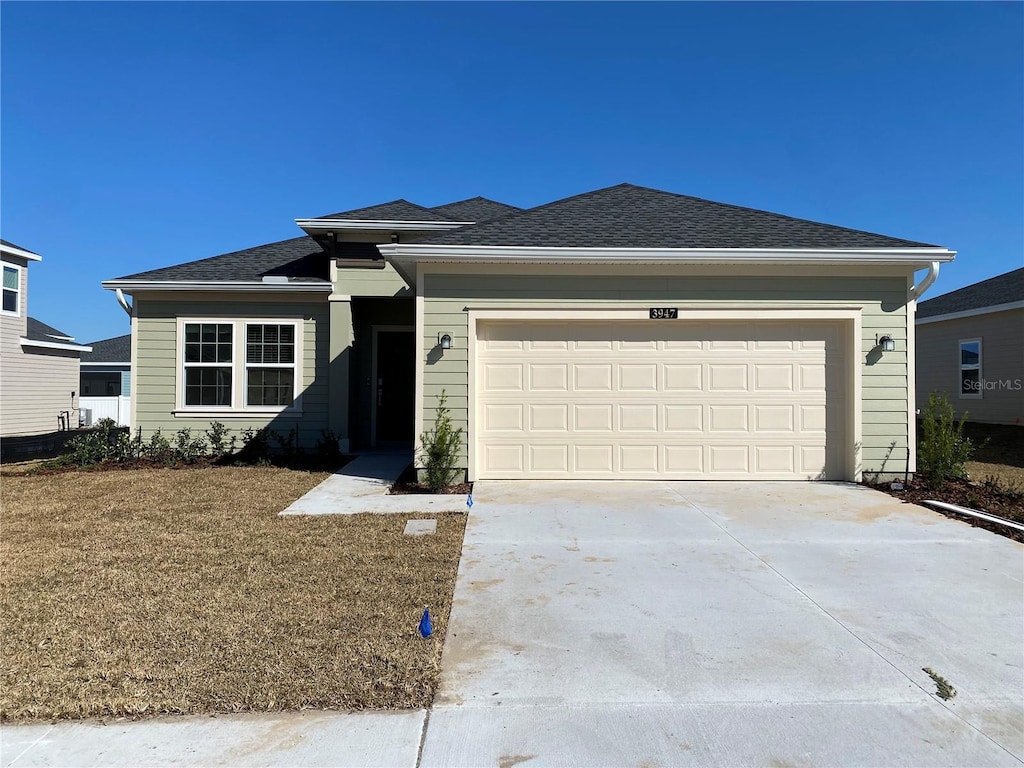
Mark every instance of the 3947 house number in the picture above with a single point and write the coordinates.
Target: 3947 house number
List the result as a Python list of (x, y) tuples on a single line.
[(664, 313)]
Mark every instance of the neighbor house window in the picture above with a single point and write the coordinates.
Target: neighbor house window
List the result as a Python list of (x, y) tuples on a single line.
[(269, 364), (208, 362), (970, 368), (12, 289)]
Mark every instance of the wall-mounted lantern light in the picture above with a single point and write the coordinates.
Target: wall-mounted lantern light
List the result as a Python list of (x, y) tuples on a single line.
[(445, 340), (886, 343)]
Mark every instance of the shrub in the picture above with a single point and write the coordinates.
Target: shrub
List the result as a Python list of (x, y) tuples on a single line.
[(288, 443), (942, 451), (188, 449), (157, 449), (220, 443), (327, 447), (439, 448), (255, 446)]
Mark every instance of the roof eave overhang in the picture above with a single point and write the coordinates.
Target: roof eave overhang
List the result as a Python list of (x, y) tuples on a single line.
[(916, 258), (54, 345), (314, 227), (134, 286), (965, 313), (21, 253), (106, 362)]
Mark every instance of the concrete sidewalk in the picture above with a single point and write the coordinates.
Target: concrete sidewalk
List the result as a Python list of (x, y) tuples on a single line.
[(362, 486), (314, 739)]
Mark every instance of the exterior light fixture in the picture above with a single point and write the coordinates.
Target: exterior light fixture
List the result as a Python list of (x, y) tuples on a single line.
[(445, 341), (886, 343)]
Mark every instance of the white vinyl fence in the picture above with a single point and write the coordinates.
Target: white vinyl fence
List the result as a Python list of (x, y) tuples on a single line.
[(92, 409)]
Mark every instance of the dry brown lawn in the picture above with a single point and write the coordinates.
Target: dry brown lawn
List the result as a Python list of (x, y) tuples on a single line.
[(143, 592)]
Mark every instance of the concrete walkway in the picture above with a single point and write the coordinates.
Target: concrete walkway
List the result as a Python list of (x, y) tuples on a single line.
[(329, 739), (362, 486)]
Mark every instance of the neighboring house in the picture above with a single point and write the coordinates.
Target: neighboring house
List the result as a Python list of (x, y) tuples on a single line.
[(970, 346), (621, 333), (105, 381), (38, 364)]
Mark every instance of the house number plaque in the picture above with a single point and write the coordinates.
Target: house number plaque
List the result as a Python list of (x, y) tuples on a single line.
[(664, 313)]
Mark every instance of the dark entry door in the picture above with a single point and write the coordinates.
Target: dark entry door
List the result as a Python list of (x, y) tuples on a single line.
[(396, 386)]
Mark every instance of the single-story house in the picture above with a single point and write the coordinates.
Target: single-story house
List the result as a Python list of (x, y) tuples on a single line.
[(105, 381), (38, 363), (621, 333), (970, 346)]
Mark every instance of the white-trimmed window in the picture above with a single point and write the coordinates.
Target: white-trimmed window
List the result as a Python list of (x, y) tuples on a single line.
[(970, 368), (207, 351), (235, 366), (12, 289), (270, 373)]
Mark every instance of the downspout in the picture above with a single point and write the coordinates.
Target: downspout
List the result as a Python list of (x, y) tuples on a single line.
[(123, 301), (918, 290)]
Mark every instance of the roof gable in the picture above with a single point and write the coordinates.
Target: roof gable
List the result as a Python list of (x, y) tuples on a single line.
[(396, 210), (629, 216), (1001, 289), (35, 330), (476, 209)]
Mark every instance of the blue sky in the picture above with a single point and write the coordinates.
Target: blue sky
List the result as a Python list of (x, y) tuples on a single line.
[(134, 136)]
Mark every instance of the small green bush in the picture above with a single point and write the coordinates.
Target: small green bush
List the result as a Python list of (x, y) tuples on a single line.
[(188, 449), (439, 448), (255, 446), (327, 447), (942, 450), (220, 443), (157, 448)]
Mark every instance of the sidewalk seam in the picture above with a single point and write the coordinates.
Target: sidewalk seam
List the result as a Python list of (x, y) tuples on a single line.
[(423, 737)]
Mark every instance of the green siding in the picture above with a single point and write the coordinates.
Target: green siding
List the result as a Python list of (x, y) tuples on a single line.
[(384, 282), (156, 376), (883, 302)]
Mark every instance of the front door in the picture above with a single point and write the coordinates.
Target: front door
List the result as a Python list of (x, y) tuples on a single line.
[(395, 381)]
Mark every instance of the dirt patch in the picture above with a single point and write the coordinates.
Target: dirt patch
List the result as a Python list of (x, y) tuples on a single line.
[(155, 591), (407, 484)]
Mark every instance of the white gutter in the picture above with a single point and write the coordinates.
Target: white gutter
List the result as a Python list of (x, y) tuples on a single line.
[(123, 301), (215, 285), (21, 253), (495, 254), (374, 224), (971, 312), (933, 272), (54, 345)]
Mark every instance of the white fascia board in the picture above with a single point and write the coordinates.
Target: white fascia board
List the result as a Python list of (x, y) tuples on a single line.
[(831, 257), (970, 312), (330, 225), (21, 253), (215, 286), (54, 345)]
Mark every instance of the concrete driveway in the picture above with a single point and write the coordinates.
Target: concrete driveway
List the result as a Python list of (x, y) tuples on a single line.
[(669, 624)]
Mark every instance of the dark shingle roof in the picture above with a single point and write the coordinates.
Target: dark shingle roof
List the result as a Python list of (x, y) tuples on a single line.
[(627, 216), (9, 244), (1002, 289), (478, 209), (38, 331), (299, 258), (115, 350), (396, 210)]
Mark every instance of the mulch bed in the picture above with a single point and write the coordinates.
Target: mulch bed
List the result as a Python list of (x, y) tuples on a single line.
[(406, 484), (964, 493)]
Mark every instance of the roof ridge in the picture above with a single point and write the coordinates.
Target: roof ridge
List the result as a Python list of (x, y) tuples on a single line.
[(401, 200)]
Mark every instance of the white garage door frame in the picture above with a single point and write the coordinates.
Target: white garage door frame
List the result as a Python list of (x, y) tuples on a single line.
[(848, 316)]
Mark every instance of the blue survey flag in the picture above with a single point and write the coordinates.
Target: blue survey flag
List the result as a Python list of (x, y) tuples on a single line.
[(469, 501), (425, 629)]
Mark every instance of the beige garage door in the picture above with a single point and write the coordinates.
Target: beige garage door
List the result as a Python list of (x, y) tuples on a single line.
[(672, 399)]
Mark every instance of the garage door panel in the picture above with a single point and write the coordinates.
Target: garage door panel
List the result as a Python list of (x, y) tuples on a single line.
[(674, 400)]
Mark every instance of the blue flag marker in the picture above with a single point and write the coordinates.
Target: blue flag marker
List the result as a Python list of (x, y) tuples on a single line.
[(425, 629), (469, 501)]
